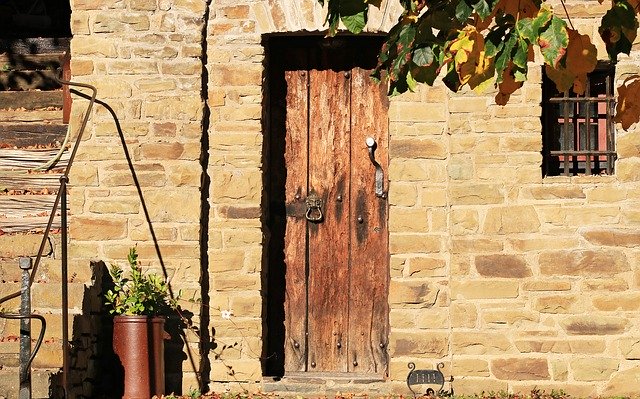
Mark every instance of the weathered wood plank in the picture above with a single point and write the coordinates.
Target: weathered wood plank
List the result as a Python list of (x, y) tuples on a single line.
[(295, 154), (25, 160), (31, 134), (31, 99), (20, 213), (329, 240), (368, 305), (39, 115)]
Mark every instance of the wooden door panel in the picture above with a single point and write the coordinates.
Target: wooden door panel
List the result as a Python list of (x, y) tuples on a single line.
[(295, 302), (328, 282), (368, 308)]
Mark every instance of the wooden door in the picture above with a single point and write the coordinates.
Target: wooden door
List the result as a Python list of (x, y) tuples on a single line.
[(335, 253)]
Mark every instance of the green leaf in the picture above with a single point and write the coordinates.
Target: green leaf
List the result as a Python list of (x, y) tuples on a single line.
[(482, 8), (423, 56), (503, 58), (463, 11), (494, 42), (353, 14), (530, 28), (522, 52), (619, 29), (355, 23), (553, 41)]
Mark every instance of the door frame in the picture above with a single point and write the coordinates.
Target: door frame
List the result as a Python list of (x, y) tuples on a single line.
[(277, 48)]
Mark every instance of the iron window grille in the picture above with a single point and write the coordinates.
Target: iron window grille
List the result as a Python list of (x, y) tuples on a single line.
[(578, 130)]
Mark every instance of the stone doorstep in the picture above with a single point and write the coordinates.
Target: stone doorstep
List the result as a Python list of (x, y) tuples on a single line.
[(325, 384)]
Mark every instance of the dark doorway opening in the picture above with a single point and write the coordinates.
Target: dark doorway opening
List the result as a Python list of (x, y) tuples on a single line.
[(285, 53), (22, 19)]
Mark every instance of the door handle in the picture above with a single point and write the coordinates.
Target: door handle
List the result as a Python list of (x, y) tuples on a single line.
[(314, 209), (379, 177)]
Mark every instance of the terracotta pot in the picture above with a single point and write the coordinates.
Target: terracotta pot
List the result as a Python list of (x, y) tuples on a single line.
[(138, 342)]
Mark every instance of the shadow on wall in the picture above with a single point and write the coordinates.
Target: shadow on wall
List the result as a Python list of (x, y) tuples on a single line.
[(95, 370)]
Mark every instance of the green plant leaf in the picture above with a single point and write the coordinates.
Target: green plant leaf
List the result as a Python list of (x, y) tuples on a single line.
[(553, 41), (619, 28)]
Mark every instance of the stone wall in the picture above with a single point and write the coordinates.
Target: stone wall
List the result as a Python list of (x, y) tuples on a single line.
[(513, 280), (145, 59)]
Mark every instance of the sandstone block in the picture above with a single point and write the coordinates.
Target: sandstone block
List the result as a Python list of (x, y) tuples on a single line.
[(485, 289), (475, 194), (583, 262), (464, 221), (562, 347), (558, 304), (624, 383), (426, 267), (161, 205), (234, 185), (417, 170), (86, 228), (411, 343), (613, 237), (593, 368), (471, 245), (542, 243), (402, 194), (436, 318), (465, 144), (418, 148), (511, 219), (235, 282), (16, 245), (555, 192), (630, 348), (422, 112), (520, 369), (415, 243), (502, 265), (408, 220), (510, 316), (421, 293), (617, 302), (594, 325), (463, 315), (547, 285), (470, 368), (480, 343)]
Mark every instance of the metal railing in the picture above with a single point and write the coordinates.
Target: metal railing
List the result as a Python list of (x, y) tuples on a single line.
[(25, 315)]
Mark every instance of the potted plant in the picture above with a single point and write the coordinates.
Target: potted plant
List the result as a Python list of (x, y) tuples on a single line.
[(139, 302)]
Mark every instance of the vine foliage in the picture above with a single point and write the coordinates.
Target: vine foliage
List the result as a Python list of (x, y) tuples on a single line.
[(488, 44)]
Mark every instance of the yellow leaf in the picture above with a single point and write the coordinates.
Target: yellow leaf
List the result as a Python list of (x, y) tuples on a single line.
[(468, 54), (483, 75)]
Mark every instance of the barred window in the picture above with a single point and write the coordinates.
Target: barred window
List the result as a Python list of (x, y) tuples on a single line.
[(578, 131)]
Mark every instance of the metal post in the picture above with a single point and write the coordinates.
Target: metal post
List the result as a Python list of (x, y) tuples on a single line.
[(25, 330), (65, 289)]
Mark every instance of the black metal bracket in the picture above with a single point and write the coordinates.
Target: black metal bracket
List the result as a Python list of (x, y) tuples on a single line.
[(429, 377)]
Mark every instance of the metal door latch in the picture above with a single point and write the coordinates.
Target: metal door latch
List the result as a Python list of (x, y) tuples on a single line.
[(314, 209), (371, 146)]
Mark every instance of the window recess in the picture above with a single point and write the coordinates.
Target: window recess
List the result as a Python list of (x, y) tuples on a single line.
[(578, 130)]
